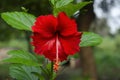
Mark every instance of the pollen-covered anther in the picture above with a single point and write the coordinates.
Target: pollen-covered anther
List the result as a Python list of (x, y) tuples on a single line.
[(56, 65)]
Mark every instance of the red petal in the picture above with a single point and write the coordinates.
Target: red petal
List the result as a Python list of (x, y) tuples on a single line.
[(66, 26), (39, 42), (45, 25), (71, 44)]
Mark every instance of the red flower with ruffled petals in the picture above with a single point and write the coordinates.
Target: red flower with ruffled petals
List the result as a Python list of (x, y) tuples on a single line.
[(55, 37)]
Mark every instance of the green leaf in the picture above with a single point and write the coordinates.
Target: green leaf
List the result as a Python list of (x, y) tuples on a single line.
[(61, 3), (41, 77), (22, 54), (23, 72), (19, 20), (70, 9), (48, 71), (52, 1), (90, 39), (21, 57), (21, 61)]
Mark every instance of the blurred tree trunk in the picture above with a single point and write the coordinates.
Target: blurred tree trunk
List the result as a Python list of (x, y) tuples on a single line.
[(86, 55)]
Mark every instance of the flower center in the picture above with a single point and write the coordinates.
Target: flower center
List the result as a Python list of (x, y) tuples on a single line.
[(57, 33)]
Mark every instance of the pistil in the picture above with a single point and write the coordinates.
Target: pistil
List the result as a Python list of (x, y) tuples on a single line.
[(57, 62)]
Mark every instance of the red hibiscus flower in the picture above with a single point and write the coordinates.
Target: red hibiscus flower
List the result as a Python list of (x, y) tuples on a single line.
[(55, 37)]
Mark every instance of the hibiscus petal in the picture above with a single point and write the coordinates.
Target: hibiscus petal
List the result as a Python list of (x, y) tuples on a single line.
[(71, 44), (45, 25), (39, 42), (66, 26)]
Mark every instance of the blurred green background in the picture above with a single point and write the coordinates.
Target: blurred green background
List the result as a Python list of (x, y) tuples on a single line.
[(107, 54)]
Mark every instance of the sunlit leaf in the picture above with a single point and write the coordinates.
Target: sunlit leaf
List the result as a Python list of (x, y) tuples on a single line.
[(21, 57), (70, 9), (19, 20), (61, 3), (21, 61), (22, 54), (52, 1), (90, 39)]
